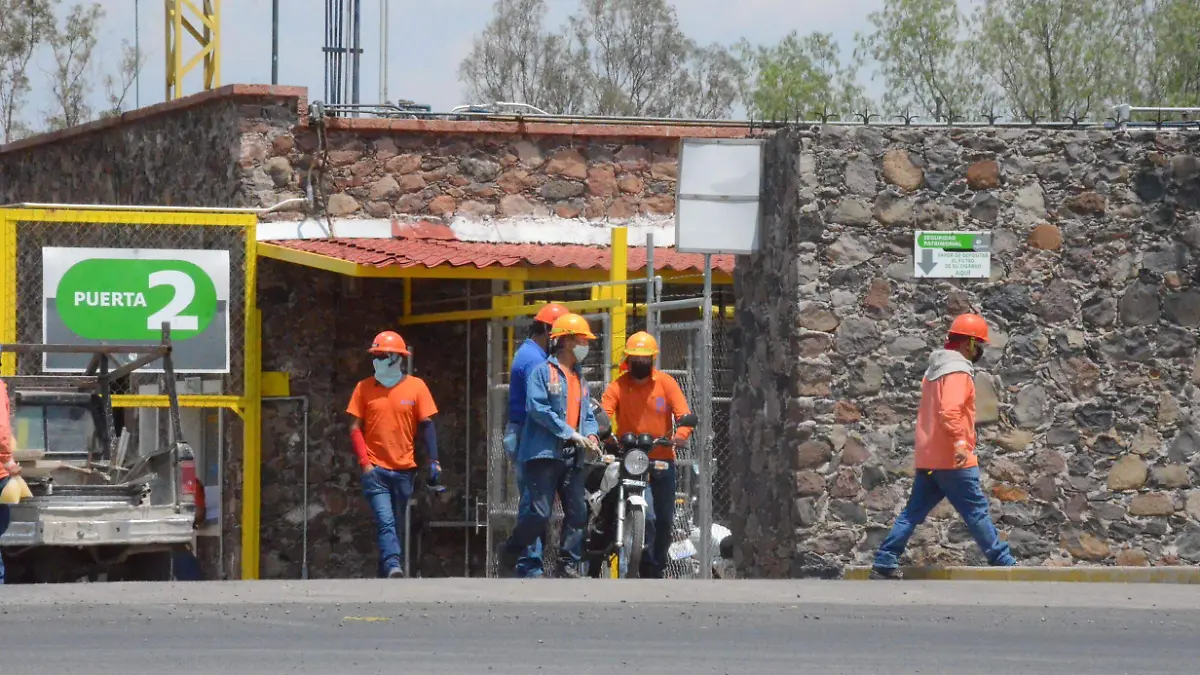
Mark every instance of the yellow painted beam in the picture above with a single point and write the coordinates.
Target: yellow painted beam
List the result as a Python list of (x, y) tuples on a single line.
[(252, 449), (511, 331), (185, 401), (640, 310), (190, 24), (8, 298), (619, 293), (275, 384), (109, 217), (504, 311)]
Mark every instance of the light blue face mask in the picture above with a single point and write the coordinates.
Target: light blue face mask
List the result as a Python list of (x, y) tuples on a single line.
[(388, 371)]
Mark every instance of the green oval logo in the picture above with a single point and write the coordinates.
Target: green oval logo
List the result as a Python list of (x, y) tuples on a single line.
[(123, 299)]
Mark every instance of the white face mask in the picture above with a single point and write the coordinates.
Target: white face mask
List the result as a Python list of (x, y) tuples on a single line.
[(580, 352)]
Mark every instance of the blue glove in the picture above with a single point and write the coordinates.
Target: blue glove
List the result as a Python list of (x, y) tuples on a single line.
[(435, 476)]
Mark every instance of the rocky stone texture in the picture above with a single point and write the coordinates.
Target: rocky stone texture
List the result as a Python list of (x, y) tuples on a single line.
[(1090, 438), (479, 175)]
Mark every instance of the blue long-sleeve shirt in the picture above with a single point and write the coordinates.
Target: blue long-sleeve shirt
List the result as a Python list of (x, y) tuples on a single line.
[(529, 356)]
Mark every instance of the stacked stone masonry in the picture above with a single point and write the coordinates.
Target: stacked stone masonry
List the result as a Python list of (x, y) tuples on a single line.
[(1087, 397)]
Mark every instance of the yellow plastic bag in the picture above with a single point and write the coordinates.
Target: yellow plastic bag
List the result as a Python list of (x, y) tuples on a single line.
[(16, 490)]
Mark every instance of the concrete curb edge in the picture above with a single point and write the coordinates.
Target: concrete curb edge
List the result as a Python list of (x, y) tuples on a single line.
[(1112, 575)]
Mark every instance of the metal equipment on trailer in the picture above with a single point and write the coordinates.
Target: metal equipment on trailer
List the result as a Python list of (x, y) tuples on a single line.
[(98, 511)]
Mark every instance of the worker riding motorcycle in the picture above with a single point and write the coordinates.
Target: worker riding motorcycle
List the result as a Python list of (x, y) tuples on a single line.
[(616, 485), (632, 496)]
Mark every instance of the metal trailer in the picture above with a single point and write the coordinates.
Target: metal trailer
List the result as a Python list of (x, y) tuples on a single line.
[(99, 511)]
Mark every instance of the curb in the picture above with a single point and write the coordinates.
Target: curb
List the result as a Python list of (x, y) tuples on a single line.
[(1108, 575)]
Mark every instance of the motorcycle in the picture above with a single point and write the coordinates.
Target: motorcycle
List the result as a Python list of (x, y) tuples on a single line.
[(616, 496)]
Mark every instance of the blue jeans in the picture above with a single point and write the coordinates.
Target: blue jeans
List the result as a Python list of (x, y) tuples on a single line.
[(387, 493), (5, 519), (660, 520), (962, 488), (543, 479), (530, 563)]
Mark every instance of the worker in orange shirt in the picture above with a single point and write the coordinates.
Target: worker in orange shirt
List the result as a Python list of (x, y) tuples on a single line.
[(390, 410), (645, 400), (945, 463)]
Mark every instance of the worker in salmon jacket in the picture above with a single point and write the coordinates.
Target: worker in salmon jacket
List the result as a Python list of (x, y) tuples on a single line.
[(560, 429), (531, 354), (645, 400), (9, 468), (390, 411), (945, 464)]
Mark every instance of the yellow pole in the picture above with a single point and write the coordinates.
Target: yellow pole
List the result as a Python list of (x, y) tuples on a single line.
[(8, 299), (252, 418), (618, 271), (515, 287)]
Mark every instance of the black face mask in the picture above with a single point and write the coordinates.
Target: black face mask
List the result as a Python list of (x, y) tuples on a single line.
[(640, 369)]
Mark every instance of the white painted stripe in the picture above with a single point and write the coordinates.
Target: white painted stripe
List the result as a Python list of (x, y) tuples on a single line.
[(548, 230)]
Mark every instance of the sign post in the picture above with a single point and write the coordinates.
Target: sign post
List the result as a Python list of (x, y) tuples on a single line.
[(122, 296), (952, 255)]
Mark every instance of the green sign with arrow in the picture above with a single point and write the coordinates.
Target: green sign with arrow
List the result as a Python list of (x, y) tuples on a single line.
[(952, 255)]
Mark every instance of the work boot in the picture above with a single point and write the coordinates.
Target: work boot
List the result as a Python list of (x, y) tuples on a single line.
[(882, 574), (567, 570), (506, 560)]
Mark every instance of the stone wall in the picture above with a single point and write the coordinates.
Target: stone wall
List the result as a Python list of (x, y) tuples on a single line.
[(465, 171), (1088, 430)]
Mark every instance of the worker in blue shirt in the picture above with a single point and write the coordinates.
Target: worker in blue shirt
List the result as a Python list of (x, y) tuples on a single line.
[(532, 354)]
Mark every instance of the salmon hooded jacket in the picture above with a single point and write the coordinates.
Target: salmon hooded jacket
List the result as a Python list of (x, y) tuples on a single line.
[(546, 429), (947, 414)]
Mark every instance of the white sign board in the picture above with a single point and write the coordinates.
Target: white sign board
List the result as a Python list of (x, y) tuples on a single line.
[(952, 255), (122, 296), (717, 195)]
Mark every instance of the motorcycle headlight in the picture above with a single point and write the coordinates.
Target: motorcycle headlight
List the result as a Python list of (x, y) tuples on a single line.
[(637, 462)]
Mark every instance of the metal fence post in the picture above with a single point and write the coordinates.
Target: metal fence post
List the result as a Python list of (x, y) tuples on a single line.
[(706, 435)]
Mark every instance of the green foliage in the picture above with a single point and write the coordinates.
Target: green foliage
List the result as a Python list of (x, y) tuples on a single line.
[(799, 78)]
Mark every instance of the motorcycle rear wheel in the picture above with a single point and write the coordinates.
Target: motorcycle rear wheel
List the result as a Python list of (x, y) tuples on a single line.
[(637, 543)]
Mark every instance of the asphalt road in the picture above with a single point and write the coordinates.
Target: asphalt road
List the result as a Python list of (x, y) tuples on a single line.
[(486, 626)]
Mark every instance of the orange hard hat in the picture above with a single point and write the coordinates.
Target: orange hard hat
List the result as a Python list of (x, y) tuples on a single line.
[(550, 312), (970, 325), (571, 324), (389, 342), (641, 343)]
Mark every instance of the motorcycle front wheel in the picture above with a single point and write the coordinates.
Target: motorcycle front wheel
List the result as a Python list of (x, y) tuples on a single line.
[(637, 543)]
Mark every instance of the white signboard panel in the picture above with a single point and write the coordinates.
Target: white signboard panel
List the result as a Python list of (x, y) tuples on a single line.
[(717, 195), (952, 255)]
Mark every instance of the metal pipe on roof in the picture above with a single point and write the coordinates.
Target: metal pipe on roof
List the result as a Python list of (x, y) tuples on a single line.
[(154, 209)]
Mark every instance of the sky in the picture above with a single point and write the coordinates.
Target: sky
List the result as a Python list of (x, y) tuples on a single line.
[(428, 39)]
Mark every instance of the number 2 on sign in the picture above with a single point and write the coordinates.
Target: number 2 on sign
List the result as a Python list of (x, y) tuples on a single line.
[(185, 292)]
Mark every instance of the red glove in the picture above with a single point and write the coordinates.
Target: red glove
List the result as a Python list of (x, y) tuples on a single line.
[(359, 442)]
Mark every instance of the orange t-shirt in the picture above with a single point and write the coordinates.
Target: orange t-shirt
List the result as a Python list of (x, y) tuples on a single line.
[(947, 415), (649, 407), (574, 399), (389, 419)]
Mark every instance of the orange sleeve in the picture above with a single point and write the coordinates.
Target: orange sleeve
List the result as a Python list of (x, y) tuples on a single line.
[(678, 405), (426, 408), (953, 392), (355, 406), (7, 444), (609, 403)]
